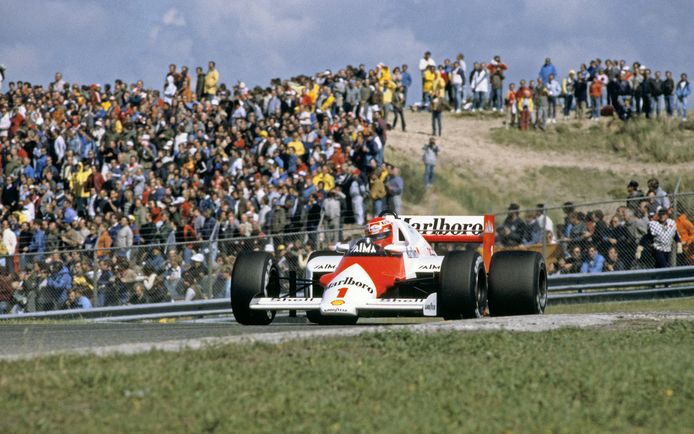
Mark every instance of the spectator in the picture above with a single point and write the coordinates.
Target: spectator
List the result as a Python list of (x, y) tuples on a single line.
[(581, 96), (685, 229), (496, 73), (395, 187), (479, 84), (553, 93), (573, 263), (668, 90), (77, 300), (58, 284), (211, 80), (662, 232), (594, 262), (436, 109), (511, 106), (568, 88), (546, 70), (595, 95), (661, 196), (406, 82), (525, 105), (682, 92), (541, 102), (429, 157), (613, 262), (377, 193), (511, 233), (399, 101), (331, 214), (425, 65)]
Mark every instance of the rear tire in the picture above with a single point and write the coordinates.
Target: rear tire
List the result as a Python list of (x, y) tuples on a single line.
[(255, 274), (517, 283), (463, 286)]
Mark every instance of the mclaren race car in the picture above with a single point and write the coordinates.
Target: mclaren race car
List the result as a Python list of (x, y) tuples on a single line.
[(393, 270)]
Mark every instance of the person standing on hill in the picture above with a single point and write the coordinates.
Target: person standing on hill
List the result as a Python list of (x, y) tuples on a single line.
[(211, 80), (429, 157), (668, 91), (496, 73), (200, 83), (436, 109), (682, 91), (546, 70), (553, 92)]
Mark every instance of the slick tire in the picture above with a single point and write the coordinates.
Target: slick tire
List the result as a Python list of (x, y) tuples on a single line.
[(463, 286), (254, 274), (517, 284)]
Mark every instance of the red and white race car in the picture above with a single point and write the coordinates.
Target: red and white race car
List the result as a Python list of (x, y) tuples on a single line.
[(393, 270)]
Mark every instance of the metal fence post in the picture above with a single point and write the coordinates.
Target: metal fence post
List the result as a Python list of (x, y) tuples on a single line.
[(95, 270), (673, 250)]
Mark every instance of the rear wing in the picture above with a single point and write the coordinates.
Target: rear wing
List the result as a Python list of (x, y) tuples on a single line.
[(457, 229)]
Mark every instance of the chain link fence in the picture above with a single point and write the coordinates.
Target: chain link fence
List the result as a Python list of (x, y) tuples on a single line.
[(154, 273), (572, 237), (599, 236)]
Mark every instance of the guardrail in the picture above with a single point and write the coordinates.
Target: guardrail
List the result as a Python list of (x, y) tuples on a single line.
[(567, 288), (635, 285)]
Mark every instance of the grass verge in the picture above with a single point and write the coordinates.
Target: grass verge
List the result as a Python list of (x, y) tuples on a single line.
[(666, 141), (684, 304), (625, 379)]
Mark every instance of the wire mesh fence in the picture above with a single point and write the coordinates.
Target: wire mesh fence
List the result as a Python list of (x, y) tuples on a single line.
[(603, 236), (152, 273), (574, 238)]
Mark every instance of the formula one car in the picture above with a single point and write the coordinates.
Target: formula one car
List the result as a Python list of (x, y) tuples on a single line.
[(393, 270)]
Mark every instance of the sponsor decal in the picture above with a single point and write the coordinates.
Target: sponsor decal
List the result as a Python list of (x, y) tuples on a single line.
[(337, 302), (430, 308), (325, 267), (291, 300), (335, 309), (349, 280), (363, 248), (489, 229), (429, 267), (439, 226)]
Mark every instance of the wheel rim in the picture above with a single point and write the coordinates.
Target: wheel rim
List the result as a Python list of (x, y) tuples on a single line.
[(541, 296), (480, 291), (269, 280)]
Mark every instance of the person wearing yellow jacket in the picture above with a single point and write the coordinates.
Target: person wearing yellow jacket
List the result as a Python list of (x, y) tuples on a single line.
[(78, 183), (211, 80), (326, 178), (384, 75), (438, 86), (428, 84)]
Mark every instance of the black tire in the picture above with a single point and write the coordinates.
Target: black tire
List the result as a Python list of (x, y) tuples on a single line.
[(517, 283), (462, 286), (255, 274), (315, 316)]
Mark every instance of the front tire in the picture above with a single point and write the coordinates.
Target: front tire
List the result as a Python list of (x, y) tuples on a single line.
[(463, 286), (517, 283), (255, 274)]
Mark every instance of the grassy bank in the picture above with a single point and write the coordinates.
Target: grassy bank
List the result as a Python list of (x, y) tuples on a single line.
[(666, 141), (685, 304), (626, 379)]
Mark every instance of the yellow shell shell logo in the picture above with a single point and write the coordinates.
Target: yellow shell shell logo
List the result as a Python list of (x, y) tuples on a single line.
[(337, 302)]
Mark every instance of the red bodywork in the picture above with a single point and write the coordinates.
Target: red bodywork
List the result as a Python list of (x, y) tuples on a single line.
[(383, 270)]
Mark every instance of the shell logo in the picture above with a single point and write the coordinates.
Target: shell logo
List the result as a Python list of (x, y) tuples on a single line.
[(337, 302)]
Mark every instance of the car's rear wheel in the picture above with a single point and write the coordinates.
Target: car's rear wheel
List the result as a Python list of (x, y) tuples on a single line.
[(462, 286), (517, 283), (255, 274)]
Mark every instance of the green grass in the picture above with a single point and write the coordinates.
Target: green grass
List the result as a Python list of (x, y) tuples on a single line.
[(685, 304), (623, 379), (642, 140)]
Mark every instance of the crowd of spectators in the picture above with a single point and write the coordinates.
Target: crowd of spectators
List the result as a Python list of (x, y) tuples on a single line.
[(108, 169), (118, 193), (596, 89), (637, 235)]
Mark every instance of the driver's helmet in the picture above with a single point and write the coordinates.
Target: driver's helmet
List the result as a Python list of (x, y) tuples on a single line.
[(380, 231)]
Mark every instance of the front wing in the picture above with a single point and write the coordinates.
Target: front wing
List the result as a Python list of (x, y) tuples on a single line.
[(425, 306)]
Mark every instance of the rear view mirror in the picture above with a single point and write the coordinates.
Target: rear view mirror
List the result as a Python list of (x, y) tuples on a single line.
[(395, 249)]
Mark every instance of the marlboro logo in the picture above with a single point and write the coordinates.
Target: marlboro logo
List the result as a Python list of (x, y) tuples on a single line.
[(442, 226)]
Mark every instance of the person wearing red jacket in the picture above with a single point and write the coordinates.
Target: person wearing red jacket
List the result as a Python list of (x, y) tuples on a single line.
[(496, 75)]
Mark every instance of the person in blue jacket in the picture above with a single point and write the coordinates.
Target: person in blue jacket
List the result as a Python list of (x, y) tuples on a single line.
[(58, 284), (547, 69), (594, 263), (682, 91)]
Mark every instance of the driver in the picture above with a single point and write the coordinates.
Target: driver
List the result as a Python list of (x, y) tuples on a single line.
[(380, 232)]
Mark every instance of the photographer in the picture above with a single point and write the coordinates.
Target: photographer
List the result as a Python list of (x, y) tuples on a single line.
[(58, 284), (429, 157)]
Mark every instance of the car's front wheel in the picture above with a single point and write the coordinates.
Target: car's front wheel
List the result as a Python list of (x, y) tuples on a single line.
[(255, 274)]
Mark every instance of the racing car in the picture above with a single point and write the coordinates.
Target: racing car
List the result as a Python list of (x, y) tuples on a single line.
[(394, 270)]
